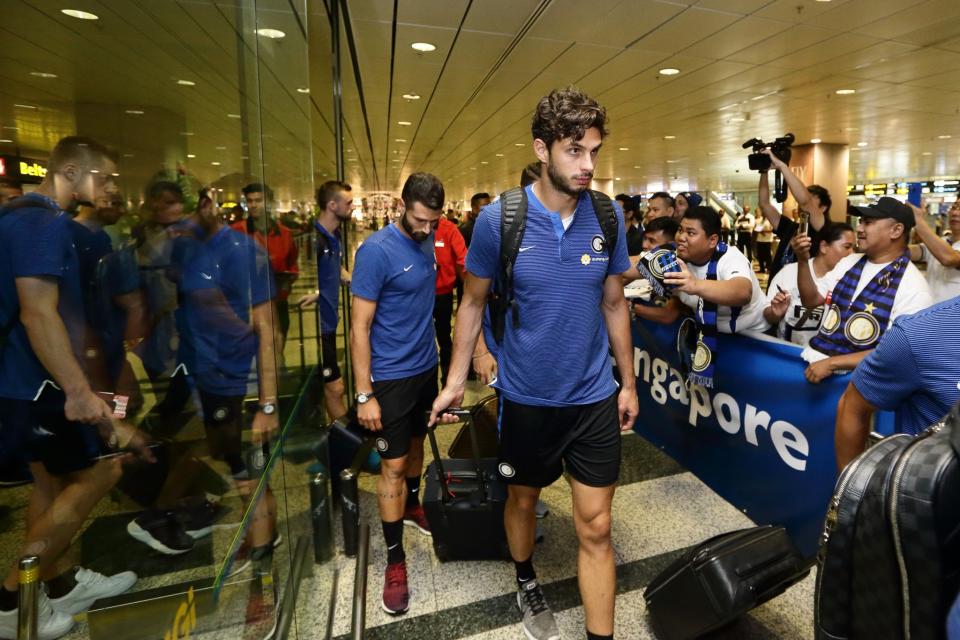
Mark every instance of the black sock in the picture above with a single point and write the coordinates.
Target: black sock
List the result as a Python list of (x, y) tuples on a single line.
[(9, 600), (597, 636), (413, 491), (393, 534), (525, 572), (62, 584)]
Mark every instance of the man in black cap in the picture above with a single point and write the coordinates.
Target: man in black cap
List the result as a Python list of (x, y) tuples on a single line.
[(865, 292)]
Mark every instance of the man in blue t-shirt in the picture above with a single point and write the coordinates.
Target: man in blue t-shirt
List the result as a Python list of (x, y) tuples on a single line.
[(395, 363), (49, 415), (561, 408), (913, 371), (333, 199)]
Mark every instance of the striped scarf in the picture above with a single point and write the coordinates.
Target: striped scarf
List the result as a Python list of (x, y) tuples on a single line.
[(705, 356), (850, 325)]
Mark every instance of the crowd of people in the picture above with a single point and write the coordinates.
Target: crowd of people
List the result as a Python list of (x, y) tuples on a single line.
[(201, 298)]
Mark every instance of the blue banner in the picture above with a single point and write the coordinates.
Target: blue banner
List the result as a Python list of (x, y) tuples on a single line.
[(762, 438)]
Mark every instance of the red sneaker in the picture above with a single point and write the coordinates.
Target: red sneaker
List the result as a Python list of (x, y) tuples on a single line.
[(396, 595), (415, 517)]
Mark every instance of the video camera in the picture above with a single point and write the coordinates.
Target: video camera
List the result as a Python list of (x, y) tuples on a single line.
[(761, 162)]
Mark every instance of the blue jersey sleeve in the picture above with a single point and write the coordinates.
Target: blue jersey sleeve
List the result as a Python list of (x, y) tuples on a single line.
[(889, 375), (620, 260), (42, 248), (369, 272), (261, 275), (483, 256)]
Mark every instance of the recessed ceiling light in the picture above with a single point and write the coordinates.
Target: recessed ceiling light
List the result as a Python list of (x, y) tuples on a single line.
[(221, 148), (624, 148), (42, 74), (669, 137), (273, 34), (927, 153), (944, 137), (845, 92), (711, 153), (128, 155), (499, 155), (852, 129), (484, 162), (671, 161), (190, 155), (738, 119), (5, 141), (134, 112), (186, 83), (399, 140), (815, 140), (636, 166), (423, 47), (186, 133), (669, 71), (303, 89), (861, 144), (82, 15), (519, 144), (617, 179), (233, 115), (25, 106), (216, 164), (403, 123), (411, 96)]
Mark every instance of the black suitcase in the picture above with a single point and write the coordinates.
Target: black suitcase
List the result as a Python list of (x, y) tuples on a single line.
[(722, 578), (890, 558), (463, 501)]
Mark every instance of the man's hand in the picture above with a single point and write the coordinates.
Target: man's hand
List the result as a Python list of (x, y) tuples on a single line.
[(264, 426), (801, 246), (87, 407), (776, 162), (780, 304), (628, 407), (449, 397), (307, 300), (368, 414), (485, 367), (681, 280), (132, 439), (819, 371)]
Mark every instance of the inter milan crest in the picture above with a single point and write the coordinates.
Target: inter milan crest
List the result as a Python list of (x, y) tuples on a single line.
[(382, 444), (702, 358), (598, 244), (506, 470), (862, 329), (831, 320)]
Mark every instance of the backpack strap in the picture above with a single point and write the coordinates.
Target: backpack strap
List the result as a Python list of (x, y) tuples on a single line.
[(513, 222), (607, 217)]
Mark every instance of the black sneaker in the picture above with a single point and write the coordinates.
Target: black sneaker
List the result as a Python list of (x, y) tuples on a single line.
[(161, 531), (199, 517)]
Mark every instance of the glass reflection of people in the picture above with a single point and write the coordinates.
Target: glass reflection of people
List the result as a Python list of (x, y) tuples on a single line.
[(226, 287), (49, 413), (277, 239), (9, 189)]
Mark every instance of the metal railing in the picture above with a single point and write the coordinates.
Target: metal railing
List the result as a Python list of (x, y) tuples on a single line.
[(358, 621)]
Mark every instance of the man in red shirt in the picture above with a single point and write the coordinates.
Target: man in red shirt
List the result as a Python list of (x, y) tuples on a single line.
[(451, 252), (279, 244)]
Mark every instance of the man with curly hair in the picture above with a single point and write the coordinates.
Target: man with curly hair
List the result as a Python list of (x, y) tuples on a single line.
[(561, 410)]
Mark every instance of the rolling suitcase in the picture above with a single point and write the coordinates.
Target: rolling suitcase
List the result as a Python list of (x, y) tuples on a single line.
[(463, 501), (890, 557), (722, 578)]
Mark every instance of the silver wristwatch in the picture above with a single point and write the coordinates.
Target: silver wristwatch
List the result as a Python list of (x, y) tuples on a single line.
[(363, 398), (268, 408)]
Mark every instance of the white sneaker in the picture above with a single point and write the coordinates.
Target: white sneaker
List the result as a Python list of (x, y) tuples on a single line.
[(51, 624), (91, 586)]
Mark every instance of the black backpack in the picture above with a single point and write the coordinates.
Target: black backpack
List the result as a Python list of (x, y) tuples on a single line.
[(513, 222)]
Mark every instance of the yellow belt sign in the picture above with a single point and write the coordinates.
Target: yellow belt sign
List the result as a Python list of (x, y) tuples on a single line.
[(185, 621)]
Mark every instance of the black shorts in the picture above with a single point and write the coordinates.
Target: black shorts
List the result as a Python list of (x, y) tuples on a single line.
[(331, 368), (223, 421), (38, 431), (538, 443), (404, 404)]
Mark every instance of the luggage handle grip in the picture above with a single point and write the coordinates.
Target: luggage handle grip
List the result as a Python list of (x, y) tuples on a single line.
[(466, 416)]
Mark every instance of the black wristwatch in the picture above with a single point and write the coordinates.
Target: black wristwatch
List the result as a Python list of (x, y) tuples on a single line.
[(267, 408), (364, 398)]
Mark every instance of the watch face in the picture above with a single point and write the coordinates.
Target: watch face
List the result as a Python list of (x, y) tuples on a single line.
[(269, 409), (362, 397)]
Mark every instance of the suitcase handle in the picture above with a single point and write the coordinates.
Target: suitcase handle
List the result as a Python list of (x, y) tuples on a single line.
[(465, 416)]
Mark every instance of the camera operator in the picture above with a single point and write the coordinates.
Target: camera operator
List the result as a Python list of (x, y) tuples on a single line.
[(813, 201)]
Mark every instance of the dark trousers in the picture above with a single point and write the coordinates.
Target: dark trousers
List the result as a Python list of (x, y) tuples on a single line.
[(283, 317), (764, 256), (745, 244), (442, 313)]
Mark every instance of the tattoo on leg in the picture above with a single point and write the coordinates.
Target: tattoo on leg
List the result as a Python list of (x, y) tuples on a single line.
[(388, 495)]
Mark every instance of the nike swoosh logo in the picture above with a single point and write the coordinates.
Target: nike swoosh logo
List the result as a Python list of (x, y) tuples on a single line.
[(206, 276), (40, 431), (958, 386), (522, 249), (408, 268)]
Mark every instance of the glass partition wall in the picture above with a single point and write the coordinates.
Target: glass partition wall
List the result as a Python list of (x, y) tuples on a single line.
[(202, 505)]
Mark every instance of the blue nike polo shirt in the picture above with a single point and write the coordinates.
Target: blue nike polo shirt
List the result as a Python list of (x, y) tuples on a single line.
[(328, 278)]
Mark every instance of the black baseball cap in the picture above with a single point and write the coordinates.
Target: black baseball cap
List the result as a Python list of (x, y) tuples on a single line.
[(887, 207)]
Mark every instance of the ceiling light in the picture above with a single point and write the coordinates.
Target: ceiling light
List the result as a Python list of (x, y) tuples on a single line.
[(423, 47), (273, 34), (233, 115), (303, 89), (944, 137), (5, 141), (484, 162), (636, 166), (128, 155), (190, 155), (815, 140), (411, 96), (499, 155), (671, 161), (403, 123), (134, 112), (186, 83), (669, 137), (624, 148), (25, 106), (852, 129), (925, 153), (221, 148), (861, 144), (519, 144), (669, 71), (738, 119), (617, 179), (42, 74), (216, 164), (82, 15), (399, 140), (845, 92), (186, 133)]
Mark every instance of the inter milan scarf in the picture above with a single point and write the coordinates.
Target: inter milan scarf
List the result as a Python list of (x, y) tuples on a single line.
[(850, 325), (653, 265), (705, 356)]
